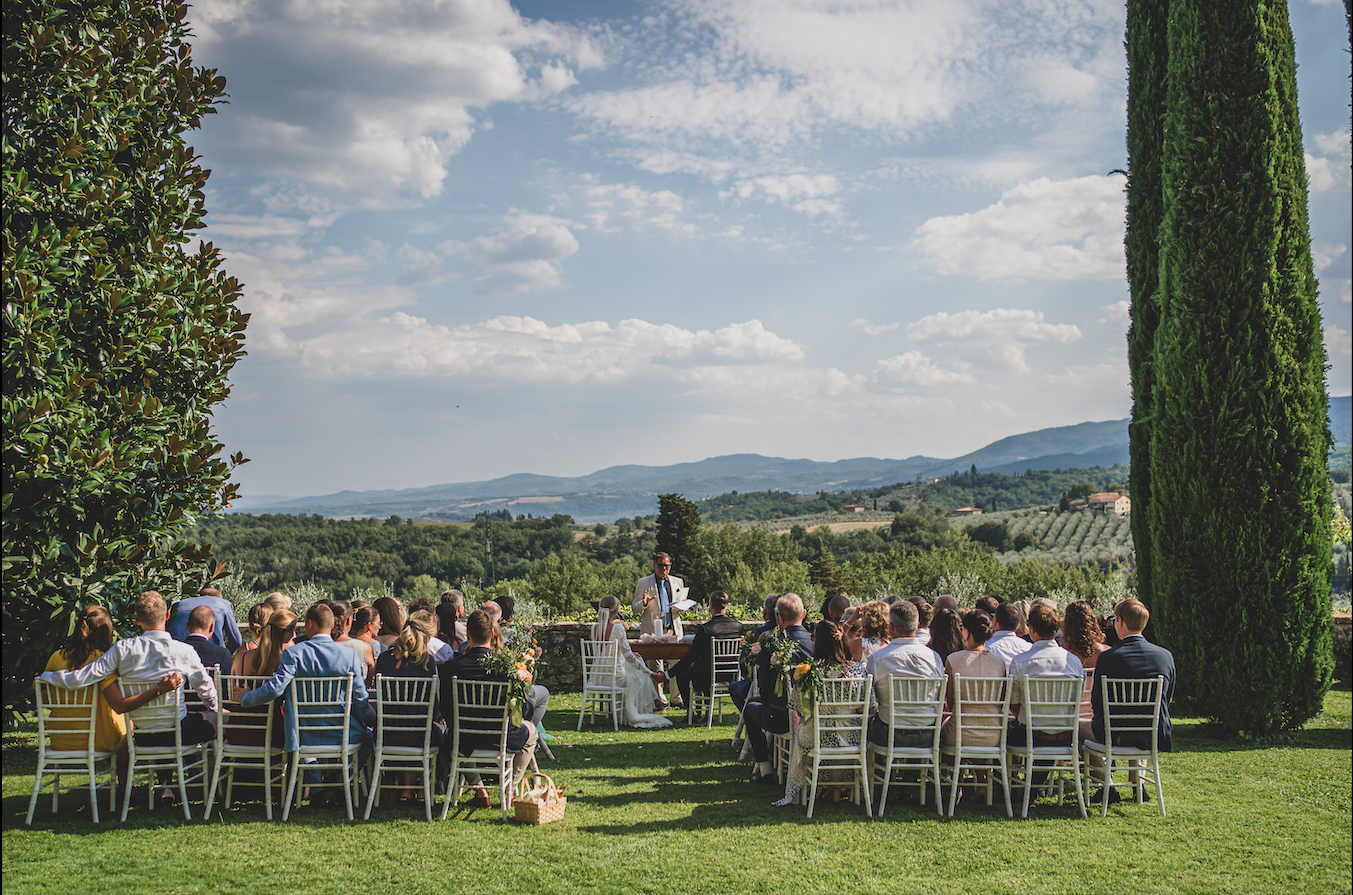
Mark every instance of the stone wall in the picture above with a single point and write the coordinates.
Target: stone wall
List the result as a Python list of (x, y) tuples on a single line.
[(1343, 630)]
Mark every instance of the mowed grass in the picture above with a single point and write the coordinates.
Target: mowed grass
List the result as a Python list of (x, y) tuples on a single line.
[(671, 812)]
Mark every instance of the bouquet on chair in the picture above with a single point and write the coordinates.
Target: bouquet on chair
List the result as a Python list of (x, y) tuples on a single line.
[(519, 667)]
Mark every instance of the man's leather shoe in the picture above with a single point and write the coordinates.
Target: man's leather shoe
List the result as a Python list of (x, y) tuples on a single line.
[(765, 779)]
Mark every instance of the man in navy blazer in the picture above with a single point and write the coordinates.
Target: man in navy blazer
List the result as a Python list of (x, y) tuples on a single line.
[(694, 667), (318, 656), (1134, 657), (201, 623), (771, 711)]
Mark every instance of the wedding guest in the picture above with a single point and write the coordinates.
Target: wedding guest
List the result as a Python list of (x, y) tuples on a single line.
[(1004, 642), (227, 633), (1044, 658), (521, 738), (201, 623), (410, 657), (392, 619), (258, 617), (972, 661), (768, 615), (869, 629), (924, 613), (1082, 635), (945, 601), (946, 633), (449, 613), (278, 600), (1022, 607), (834, 607), (771, 712), (829, 646), (988, 604), (277, 635), (904, 656), (366, 622)]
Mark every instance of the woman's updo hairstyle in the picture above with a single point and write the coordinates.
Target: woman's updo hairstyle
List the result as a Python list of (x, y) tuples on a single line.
[(978, 625), (412, 643)]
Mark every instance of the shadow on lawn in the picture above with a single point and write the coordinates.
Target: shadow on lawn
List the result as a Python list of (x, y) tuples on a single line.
[(1194, 733)]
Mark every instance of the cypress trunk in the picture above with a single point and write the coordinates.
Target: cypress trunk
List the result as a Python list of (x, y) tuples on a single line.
[(1240, 515), (1148, 56)]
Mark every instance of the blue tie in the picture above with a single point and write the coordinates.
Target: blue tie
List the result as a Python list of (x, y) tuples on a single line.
[(664, 602)]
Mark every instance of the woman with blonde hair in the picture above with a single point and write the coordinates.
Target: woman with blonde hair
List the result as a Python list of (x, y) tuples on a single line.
[(410, 657), (640, 693), (278, 633), (258, 617), (277, 600), (1022, 607)]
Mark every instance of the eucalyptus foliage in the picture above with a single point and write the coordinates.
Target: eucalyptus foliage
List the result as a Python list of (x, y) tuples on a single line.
[(1239, 506), (119, 331)]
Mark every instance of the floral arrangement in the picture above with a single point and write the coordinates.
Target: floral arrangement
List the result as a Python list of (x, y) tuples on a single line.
[(517, 663), (807, 674), (749, 650)]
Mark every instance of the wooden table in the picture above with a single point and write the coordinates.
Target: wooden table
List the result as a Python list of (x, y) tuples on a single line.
[(671, 652)]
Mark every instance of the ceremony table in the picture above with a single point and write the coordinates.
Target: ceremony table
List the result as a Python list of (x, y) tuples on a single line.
[(671, 652)]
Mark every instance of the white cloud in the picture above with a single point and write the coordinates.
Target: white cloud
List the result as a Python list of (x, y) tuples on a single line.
[(1046, 229), (1118, 312), (1338, 342), (633, 205), (1330, 170), (914, 368), (1345, 290), (523, 257), (1323, 254), (802, 192), (1003, 332), (507, 350), (874, 329), (366, 100)]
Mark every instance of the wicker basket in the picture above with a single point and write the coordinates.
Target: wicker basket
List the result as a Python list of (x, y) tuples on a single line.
[(539, 802)]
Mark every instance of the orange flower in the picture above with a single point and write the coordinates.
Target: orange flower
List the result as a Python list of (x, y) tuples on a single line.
[(800, 670)]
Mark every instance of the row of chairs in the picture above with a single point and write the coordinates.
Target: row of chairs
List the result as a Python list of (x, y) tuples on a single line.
[(981, 743), (317, 709)]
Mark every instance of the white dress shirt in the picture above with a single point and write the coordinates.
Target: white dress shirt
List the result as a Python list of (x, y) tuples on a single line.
[(903, 657), (923, 636), (143, 660), (1043, 659), (441, 650), (1006, 645)]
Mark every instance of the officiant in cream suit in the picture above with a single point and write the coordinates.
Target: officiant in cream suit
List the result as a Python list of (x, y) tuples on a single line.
[(653, 598)]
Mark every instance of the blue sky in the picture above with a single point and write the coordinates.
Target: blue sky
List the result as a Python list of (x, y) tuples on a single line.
[(479, 238)]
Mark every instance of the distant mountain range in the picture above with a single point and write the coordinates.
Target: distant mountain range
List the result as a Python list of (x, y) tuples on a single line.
[(623, 491)]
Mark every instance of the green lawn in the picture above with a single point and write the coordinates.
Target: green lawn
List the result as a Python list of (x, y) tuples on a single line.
[(670, 812)]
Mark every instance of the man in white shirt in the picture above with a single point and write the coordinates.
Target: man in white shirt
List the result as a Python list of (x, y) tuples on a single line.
[(1005, 643), (924, 613), (147, 660), (904, 656), (1044, 658)]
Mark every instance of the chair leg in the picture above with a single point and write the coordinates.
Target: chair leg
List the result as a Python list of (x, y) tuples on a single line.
[(375, 787), (37, 789)]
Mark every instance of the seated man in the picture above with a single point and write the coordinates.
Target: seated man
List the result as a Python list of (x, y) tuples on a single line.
[(834, 608), (771, 713), (1005, 642), (904, 656), (924, 613), (1045, 658), (468, 666), (318, 656), (226, 633), (694, 666), (1133, 657), (150, 659), (201, 625)]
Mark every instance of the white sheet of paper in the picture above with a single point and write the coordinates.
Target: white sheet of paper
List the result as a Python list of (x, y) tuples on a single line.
[(682, 601)]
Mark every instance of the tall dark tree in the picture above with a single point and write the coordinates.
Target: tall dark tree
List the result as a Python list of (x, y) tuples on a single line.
[(679, 532), (118, 336), (1148, 57), (1239, 506)]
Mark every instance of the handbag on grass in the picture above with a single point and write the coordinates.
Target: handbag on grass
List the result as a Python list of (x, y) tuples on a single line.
[(538, 800)]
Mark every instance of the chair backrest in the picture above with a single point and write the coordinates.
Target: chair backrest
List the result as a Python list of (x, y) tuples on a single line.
[(404, 708), (841, 705), (318, 709), (1087, 711), (1053, 704), (63, 712), (232, 724), (190, 697), (981, 706), (160, 715), (479, 709), (601, 663), (1132, 705), (723, 659), (914, 703)]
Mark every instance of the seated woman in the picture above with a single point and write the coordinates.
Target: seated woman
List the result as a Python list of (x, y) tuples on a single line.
[(366, 623), (829, 643), (1084, 639), (410, 657), (640, 693), (393, 617), (972, 661), (946, 633), (869, 629), (278, 634)]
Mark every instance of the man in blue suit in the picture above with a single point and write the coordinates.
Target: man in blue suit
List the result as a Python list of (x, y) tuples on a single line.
[(1133, 657), (771, 712), (227, 632), (318, 656)]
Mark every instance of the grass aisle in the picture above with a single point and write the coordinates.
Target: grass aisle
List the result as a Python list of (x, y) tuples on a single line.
[(671, 812)]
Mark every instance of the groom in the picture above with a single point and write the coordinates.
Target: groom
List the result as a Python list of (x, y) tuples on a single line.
[(653, 597)]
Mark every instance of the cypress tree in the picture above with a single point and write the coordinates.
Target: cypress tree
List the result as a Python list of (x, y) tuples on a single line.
[(1240, 499), (679, 532), (1148, 56)]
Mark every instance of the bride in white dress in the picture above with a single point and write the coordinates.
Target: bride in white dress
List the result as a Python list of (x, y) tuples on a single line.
[(641, 696)]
